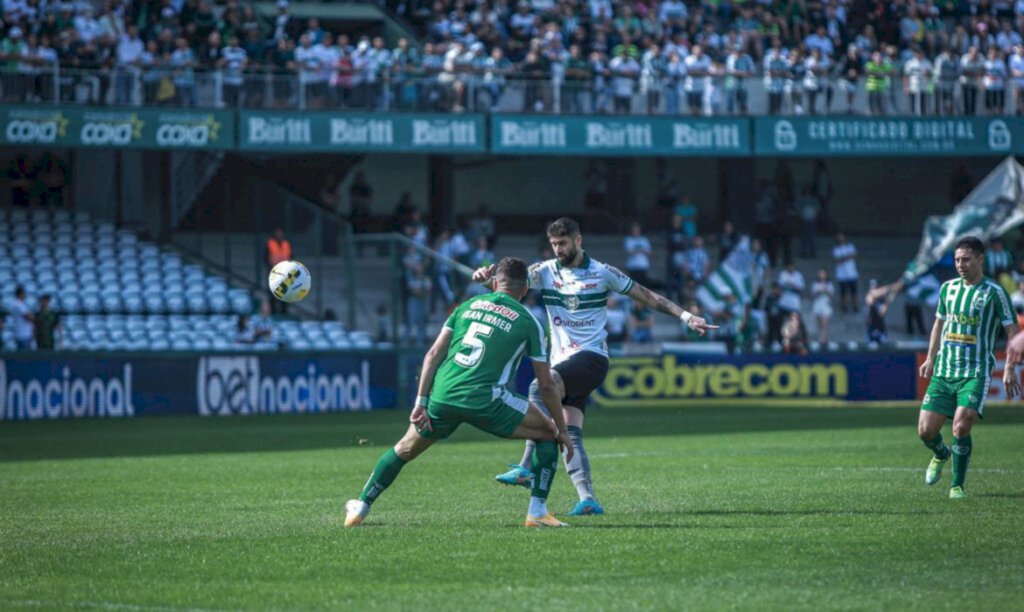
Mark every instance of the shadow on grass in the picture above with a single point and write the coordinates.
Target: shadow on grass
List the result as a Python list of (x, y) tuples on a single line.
[(154, 436), (1002, 495)]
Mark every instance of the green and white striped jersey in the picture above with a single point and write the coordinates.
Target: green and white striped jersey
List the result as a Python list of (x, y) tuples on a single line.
[(972, 316), (577, 303)]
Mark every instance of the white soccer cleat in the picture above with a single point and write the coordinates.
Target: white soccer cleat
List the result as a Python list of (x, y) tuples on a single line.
[(355, 512)]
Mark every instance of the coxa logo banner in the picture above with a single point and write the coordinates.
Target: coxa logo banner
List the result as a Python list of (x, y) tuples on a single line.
[(622, 136), (362, 132), (887, 136), (116, 128)]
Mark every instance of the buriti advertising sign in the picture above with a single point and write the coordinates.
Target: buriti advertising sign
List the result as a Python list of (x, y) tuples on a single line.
[(887, 136), (117, 128), (381, 132), (619, 136)]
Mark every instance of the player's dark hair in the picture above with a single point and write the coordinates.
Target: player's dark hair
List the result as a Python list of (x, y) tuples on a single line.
[(973, 243), (564, 227), (512, 273)]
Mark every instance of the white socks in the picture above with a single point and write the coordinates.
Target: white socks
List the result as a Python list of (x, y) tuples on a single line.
[(538, 507)]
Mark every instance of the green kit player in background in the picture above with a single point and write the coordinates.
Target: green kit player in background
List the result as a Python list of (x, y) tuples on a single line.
[(466, 378), (961, 354)]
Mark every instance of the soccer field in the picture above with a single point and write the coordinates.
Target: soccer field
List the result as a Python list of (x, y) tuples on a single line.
[(709, 506)]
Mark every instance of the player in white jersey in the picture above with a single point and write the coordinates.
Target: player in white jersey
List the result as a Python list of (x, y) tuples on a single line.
[(575, 289)]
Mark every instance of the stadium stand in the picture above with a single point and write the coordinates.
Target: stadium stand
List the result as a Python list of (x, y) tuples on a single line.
[(531, 56), (116, 292)]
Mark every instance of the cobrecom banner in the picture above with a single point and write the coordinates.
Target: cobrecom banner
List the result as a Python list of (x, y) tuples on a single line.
[(114, 128), (667, 379), (76, 386)]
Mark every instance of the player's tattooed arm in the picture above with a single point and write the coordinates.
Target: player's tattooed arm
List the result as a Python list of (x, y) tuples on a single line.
[(654, 301), (663, 304)]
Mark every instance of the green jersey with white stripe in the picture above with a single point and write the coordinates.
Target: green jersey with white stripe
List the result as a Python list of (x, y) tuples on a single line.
[(972, 316), (577, 303), (490, 335)]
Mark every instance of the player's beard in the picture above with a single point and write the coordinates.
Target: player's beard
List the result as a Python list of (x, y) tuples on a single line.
[(569, 257)]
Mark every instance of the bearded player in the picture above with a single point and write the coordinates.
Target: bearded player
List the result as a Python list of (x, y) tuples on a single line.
[(575, 287)]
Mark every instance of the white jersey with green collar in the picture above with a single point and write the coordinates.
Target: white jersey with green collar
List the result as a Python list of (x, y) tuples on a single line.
[(577, 303)]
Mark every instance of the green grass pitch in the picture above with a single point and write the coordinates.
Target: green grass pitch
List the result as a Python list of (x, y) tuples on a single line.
[(709, 506)]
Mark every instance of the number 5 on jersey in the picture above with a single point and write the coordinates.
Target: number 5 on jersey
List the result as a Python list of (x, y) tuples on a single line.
[(473, 340)]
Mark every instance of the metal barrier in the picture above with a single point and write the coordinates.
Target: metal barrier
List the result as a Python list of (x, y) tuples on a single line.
[(481, 92)]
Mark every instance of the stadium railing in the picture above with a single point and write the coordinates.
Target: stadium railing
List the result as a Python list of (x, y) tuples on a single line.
[(269, 88), (353, 273)]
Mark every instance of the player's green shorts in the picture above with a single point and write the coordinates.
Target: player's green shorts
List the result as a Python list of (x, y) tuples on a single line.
[(499, 417), (944, 395)]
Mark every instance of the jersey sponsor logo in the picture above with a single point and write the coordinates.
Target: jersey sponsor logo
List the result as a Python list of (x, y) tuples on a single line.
[(961, 339), (590, 286), (559, 322), (965, 319), (498, 309), (664, 379)]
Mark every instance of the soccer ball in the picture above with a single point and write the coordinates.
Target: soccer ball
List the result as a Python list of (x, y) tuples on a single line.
[(290, 281)]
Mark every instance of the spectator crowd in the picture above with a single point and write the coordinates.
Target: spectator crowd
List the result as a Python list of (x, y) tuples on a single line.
[(572, 56)]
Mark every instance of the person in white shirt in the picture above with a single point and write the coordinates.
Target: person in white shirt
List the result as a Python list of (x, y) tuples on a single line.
[(917, 74), (232, 62), (820, 41), (638, 254), (823, 291), (1007, 39), (625, 71), (994, 82), (845, 256), (311, 80), (1015, 64), (698, 71), (21, 318), (793, 284), (329, 55), (816, 69), (129, 55), (672, 9)]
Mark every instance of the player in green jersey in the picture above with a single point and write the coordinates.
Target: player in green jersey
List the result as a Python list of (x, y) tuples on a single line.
[(466, 378), (961, 354)]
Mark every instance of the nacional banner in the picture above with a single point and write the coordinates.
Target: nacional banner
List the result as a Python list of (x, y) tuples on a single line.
[(130, 385), (887, 136), (363, 132), (138, 128), (619, 136)]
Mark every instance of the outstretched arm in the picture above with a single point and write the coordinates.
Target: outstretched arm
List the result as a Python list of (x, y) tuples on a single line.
[(662, 304), (431, 362)]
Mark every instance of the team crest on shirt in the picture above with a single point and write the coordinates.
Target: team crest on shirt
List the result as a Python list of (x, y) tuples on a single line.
[(979, 301), (572, 302)]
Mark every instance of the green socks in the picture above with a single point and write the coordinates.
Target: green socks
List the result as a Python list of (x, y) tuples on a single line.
[(545, 460), (388, 467), (936, 446), (961, 457)]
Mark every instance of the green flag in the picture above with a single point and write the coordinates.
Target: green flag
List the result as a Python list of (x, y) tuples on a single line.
[(994, 207)]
